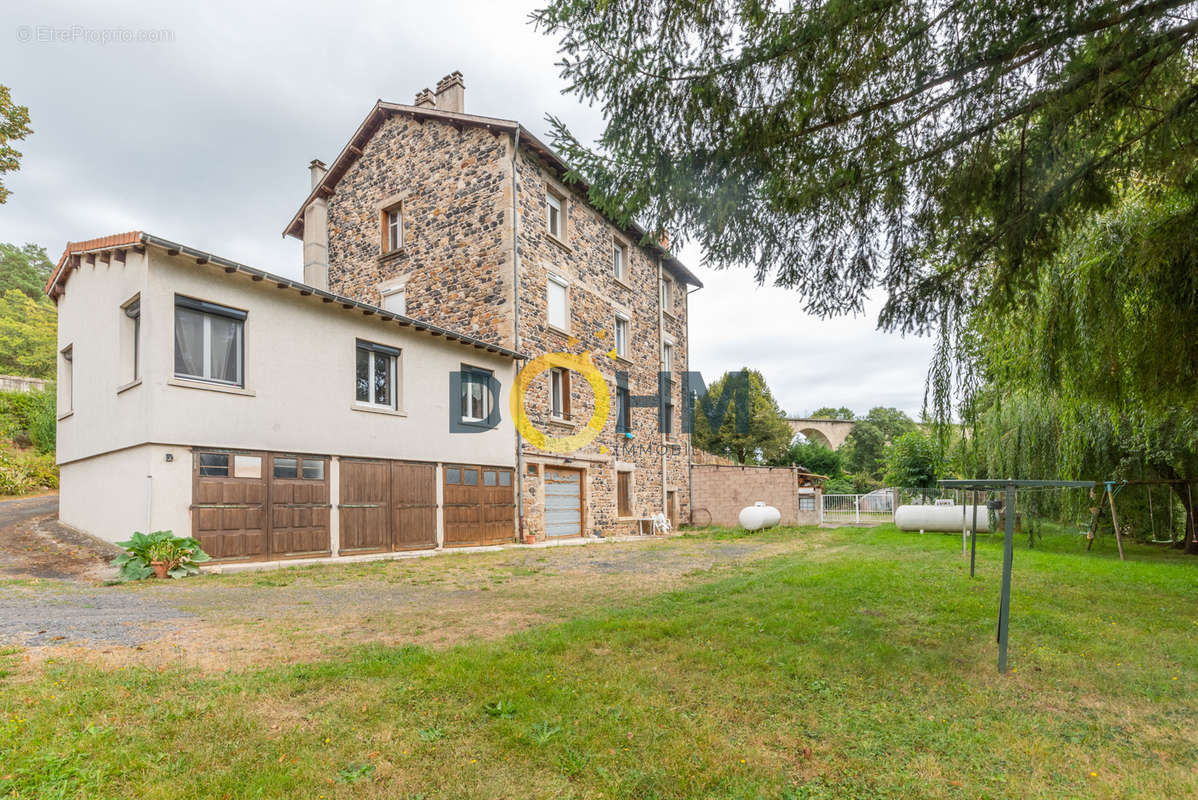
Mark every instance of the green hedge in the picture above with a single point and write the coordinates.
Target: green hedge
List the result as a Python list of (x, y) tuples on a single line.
[(29, 418)]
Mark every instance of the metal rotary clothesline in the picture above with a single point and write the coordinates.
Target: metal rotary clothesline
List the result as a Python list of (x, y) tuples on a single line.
[(1009, 488)]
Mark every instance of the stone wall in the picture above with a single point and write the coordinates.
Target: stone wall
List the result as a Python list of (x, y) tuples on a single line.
[(455, 186), (720, 492), (583, 257)]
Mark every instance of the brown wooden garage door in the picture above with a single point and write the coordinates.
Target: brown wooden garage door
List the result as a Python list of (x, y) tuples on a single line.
[(258, 506), (387, 505), (480, 505)]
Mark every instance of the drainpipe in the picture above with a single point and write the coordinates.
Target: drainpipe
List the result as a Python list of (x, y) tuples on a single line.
[(516, 324), (690, 461), (661, 342)]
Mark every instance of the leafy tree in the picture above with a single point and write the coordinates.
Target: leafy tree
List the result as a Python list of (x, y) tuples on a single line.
[(911, 461), (891, 422), (937, 150), (864, 449), (28, 335), (24, 268), (814, 457), (827, 412), (14, 126), (1096, 376), (768, 435)]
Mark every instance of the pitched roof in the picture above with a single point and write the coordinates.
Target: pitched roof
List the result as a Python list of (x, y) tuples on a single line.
[(382, 110), (140, 240)]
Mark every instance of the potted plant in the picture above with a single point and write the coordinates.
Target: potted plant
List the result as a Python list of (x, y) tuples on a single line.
[(160, 553)]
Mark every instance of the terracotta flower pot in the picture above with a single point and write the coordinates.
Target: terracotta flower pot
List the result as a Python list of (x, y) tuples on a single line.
[(160, 568), (530, 538)]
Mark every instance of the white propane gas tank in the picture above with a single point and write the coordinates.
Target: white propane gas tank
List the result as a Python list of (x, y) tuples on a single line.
[(939, 518), (758, 516)]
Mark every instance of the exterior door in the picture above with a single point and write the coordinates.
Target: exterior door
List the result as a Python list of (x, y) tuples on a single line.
[(299, 505), (228, 510), (364, 508), (672, 508), (413, 506), (563, 502), (479, 505)]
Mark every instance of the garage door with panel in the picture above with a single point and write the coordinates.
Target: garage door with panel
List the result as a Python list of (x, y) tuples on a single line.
[(387, 505), (479, 505), (563, 502), (228, 511), (299, 505)]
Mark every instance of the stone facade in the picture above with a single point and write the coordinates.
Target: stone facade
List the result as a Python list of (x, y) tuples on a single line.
[(455, 189), (454, 182)]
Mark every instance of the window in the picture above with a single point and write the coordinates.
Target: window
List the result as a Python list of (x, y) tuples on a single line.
[(667, 295), (247, 466), (313, 469), (374, 379), (66, 380), (214, 465), (554, 218), (556, 298), (395, 299), (131, 339), (286, 467), (453, 476), (505, 479), (293, 468), (624, 494), (619, 259), (489, 477), (623, 410), (806, 504), (559, 392), (621, 336), (476, 394), (209, 342), (667, 357), (470, 477), (392, 221), (667, 413)]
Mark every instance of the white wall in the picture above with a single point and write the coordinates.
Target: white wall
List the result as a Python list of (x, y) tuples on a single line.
[(299, 374), (298, 396)]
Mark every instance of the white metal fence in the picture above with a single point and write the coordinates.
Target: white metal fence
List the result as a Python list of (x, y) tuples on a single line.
[(875, 508)]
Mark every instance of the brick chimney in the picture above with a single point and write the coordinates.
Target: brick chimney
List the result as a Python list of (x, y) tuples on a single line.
[(451, 93), (316, 233), (425, 99)]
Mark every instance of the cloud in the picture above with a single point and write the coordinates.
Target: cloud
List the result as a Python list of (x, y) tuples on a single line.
[(205, 139)]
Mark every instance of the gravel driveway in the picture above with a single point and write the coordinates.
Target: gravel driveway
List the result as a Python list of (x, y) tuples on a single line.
[(289, 615)]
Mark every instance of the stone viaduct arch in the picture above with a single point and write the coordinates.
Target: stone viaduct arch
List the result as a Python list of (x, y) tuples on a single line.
[(828, 432)]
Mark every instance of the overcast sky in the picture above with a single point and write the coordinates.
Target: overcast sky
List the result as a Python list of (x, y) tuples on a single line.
[(204, 137)]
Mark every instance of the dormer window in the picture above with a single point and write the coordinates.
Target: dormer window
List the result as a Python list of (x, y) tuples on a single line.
[(392, 222)]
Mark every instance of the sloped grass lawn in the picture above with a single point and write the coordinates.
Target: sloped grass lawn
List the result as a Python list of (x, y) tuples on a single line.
[(864, 668)]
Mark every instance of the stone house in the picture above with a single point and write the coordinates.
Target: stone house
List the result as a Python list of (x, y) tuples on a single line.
[(467, 222)]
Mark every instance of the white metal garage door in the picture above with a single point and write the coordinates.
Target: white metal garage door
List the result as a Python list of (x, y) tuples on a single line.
[(563, 502)]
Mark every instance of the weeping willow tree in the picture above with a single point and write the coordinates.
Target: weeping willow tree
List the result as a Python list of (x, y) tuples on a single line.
[(1095, 375)]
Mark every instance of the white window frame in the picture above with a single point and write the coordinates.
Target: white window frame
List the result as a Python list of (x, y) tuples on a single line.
[(392, 292), (564, 285), (620, 342), (206, 347), (555, 202), (619, 258), (667, 356), (374, 355), (667, 295), (131, 314), (393, 225), (557, 393), (483, 377)]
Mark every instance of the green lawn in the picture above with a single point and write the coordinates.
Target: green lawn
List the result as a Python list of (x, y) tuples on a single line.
[(862, 667)]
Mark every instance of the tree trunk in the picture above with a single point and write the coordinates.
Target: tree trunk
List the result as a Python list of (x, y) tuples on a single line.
[(1185, 494)]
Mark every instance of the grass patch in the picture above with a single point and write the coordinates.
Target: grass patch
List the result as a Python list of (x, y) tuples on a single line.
[(861, 668)]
